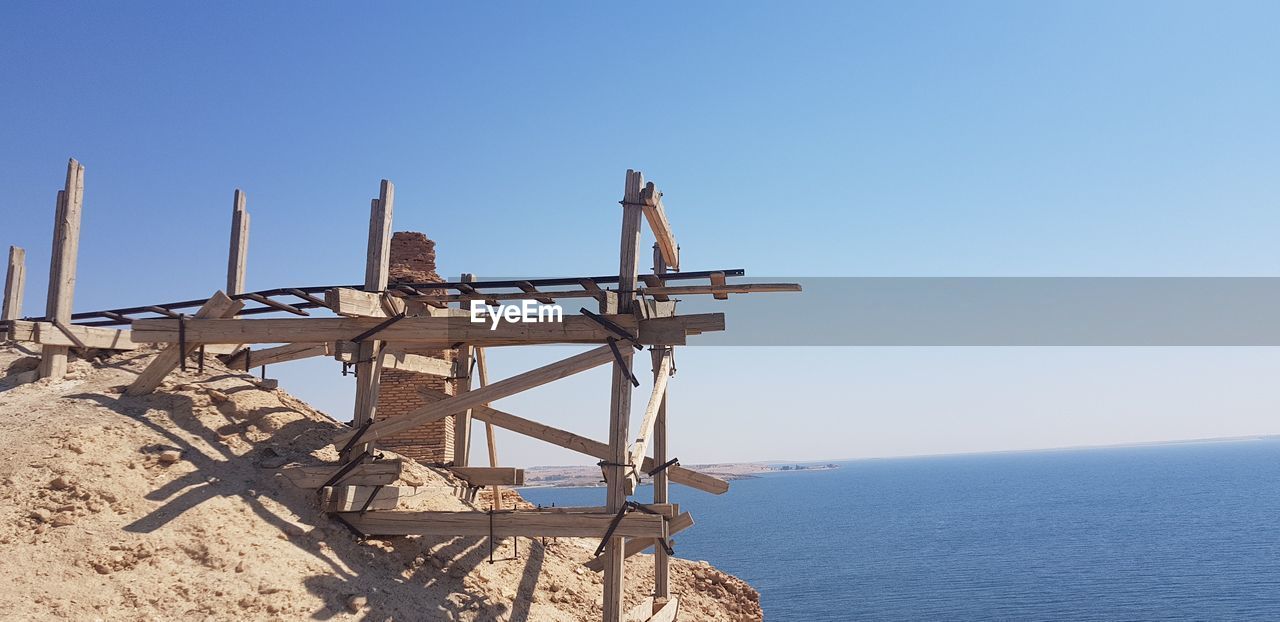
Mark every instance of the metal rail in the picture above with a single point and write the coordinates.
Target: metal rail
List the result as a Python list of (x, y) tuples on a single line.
[(308, 299)]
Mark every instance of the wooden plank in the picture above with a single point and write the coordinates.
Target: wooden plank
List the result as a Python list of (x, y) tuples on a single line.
[(376, 473), (717, 286), (278, 354), (656, 214), (503, 524), (656, 397), (238, 254), (498, 390), (15, 281), (661, 479), (394, 357), (45, 333), (582, 444), (355, 303), (635, 546), (490, 476), (620, 395), (376, 273), (356, 498), (218, 305), (483, 371), (462, 385), (427, 331), (655, 609), (62, 266)]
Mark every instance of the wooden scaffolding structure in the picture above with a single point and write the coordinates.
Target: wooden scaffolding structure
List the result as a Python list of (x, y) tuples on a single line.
[(372, 327)]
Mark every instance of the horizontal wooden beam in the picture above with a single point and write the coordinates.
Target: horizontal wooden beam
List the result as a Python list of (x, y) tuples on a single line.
[(376, 473), (438, 331), (46, 333), (355, 303), (483, 395), (490, 476), (582, 444), (394, 357), (357, 498), (504, 524), (279, 354), (635, 546)]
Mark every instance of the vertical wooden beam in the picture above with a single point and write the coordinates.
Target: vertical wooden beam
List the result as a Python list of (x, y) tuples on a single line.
[(462, 384), (661, 486), (62, 266), (483, 368), (239, 252), (15, 282), (620, 397), (376, 273)]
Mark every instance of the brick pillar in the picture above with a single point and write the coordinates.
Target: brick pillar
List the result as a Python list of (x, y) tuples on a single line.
[(413, 260)]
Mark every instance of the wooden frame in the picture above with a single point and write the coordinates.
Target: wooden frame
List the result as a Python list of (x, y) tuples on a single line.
[(377, 323)]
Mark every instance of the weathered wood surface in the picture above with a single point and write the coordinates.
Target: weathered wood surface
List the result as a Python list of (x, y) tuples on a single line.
[(15, 282), (661, 479), (462, 385), (504, 524), (482, 371), (490, 476), (394, 357), (355, 303), (620, 395), (654, 609), (45, 333), (432, 331), (376, 473), (635, 546), (278, 354), (376, 273), (356, 498), (62, 266), (238, 254), (218, 305), (656, 215), (656, 400), (498, 390), (581, 444)]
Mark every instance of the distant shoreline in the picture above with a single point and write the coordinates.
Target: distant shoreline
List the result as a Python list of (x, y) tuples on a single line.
[(590, 477)]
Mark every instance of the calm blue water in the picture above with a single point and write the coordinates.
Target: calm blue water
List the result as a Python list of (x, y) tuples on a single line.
[(1189, 532)]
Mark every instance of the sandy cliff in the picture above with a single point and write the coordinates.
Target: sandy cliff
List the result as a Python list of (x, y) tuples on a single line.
[(170, 507)]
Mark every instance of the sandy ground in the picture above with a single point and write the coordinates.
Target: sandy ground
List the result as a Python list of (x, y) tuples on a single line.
[(170, 507)]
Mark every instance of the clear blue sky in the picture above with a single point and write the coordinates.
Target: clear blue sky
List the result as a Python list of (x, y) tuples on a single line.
[(802, 139)]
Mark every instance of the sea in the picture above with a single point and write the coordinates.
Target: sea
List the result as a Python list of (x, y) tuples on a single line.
[(1184, 531)]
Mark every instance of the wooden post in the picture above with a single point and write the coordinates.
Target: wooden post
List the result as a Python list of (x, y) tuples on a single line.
[(15, 281), (620, 396), (239, 252), (462, 384), (62, 266), (483, 370), (376, 273), (661, 561)]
